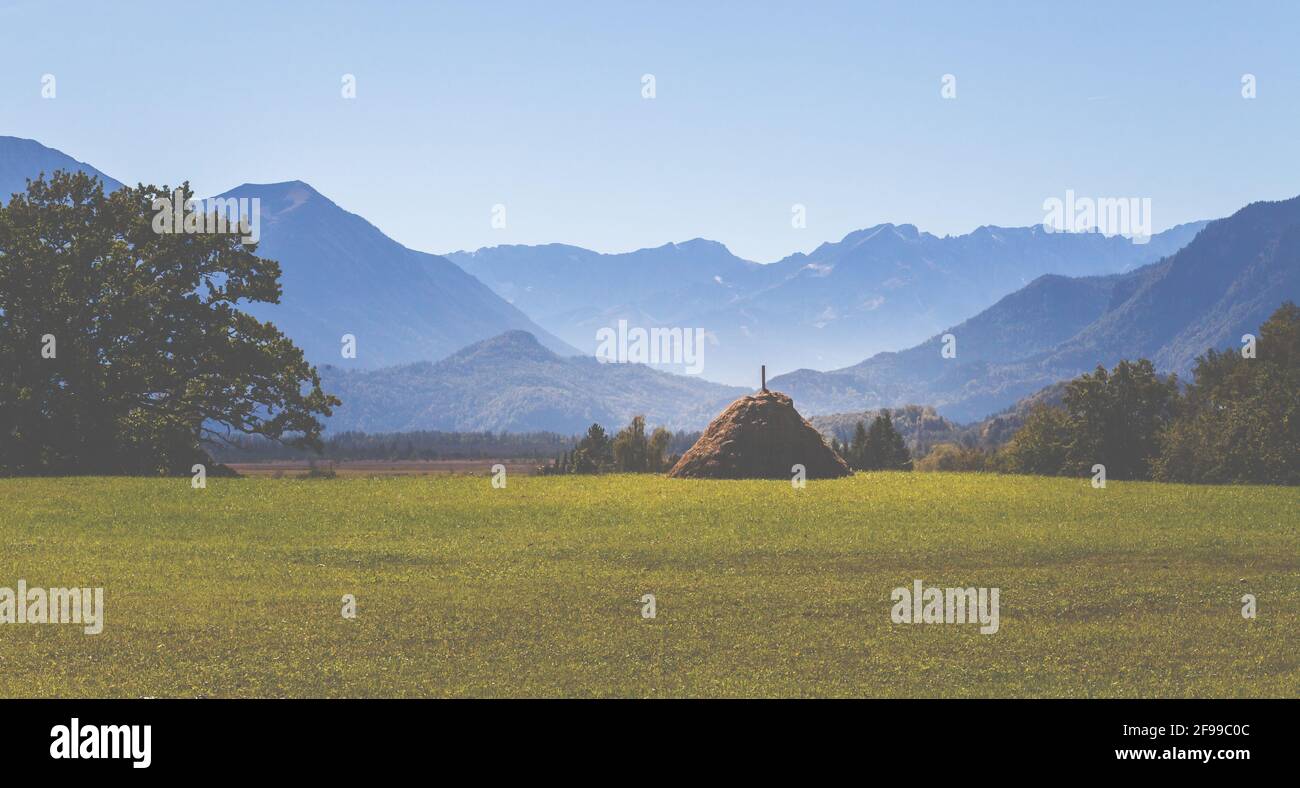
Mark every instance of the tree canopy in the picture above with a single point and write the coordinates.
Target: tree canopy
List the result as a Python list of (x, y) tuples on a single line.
[(1114, 418), (1240, 419), (1237, 421)]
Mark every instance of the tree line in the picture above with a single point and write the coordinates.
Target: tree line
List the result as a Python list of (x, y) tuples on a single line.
[(630, 450), (1236, 421)]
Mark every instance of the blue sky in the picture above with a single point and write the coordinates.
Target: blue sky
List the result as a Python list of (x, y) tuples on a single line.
[(759, 106)]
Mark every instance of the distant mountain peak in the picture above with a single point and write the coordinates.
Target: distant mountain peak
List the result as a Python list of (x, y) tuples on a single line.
[(514, 344), (342, 275), (282, 197), (282, 187), (877, 234), (700, 244), (515, 337)]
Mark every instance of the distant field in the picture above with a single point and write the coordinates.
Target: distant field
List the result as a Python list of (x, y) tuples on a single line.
[(291, 468), (761, 589)]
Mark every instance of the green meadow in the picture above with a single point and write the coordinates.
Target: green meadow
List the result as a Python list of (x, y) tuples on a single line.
[(761, 589)]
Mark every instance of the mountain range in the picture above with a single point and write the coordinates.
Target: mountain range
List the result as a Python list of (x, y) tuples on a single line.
[(1222, 285), (486, 340), (512, 383), (877, 289), (339, 275)]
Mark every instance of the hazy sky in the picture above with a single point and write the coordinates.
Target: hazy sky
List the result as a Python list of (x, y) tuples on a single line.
[(758, 107)]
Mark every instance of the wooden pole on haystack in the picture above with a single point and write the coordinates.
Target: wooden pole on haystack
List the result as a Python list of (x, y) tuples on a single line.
[(764, 374)]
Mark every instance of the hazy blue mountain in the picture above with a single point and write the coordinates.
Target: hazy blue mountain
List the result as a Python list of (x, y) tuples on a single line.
[(21, 159), (1223, 284), (1026, 323), (877, 289), (341, 275), (1238, 271), (511, 382), (570, 286)]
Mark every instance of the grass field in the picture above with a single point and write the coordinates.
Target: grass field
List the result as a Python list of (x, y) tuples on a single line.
[(235, 590)]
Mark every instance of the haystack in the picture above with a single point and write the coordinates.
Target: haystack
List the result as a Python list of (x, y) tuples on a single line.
[(759, 436)]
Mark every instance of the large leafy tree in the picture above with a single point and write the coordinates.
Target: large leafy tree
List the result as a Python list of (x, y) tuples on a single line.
[(121, 348), (1040, 446), (1117, 419)]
